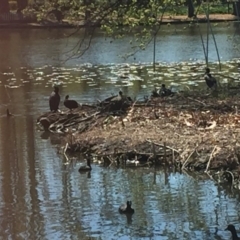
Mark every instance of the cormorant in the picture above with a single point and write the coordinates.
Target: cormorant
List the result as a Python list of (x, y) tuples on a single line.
[(232, 229), (210, 80), (71, 104), (165, 91), (54, 100)]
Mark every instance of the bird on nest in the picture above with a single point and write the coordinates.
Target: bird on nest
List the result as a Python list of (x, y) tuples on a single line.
[(209, 79), (70, 104), (54, 100)]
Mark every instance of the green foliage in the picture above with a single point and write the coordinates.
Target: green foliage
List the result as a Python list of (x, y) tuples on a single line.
[(118, 17)]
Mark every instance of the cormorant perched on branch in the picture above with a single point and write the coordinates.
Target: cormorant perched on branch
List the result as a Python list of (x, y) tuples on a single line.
[(210, 80), (54, 100), (71, 104)]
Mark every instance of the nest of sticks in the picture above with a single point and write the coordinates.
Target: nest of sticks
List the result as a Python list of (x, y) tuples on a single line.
[(192, 132)]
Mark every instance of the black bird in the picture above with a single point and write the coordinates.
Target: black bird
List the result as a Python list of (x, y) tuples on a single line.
[(86, 168), (165, 91), (119, 97), (71, 104), (209, 79), (54, 100), (232, 229), (126, 208)]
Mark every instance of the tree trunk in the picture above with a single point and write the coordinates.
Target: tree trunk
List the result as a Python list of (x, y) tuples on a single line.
[(199, 2), (190, 9), (236, 8), (87, 12), (22, 4), (4, 6)]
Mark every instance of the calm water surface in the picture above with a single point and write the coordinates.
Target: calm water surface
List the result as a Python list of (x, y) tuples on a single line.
[(41, 197)]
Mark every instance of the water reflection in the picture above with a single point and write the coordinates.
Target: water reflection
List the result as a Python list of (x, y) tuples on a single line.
[(42, 197), (37, 47)]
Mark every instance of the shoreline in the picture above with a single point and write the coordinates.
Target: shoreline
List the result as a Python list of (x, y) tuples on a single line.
[(166, 20)]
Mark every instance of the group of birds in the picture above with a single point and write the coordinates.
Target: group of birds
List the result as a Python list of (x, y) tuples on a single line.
[(54, 101), (164, 91)]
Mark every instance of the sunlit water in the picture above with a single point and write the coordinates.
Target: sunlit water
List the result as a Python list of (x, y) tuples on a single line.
[(43, 198)]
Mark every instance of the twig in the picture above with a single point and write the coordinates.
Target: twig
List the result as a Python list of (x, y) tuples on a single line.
[(222, 75), (184, 164), (210, 158), (211, 177), (64, 152), (232, 176), (204, 104), (161, 145)]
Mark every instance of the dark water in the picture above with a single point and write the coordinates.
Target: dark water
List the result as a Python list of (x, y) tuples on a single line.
[(42, 197)]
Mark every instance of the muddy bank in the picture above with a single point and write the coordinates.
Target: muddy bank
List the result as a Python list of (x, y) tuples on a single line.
[(196, 132)]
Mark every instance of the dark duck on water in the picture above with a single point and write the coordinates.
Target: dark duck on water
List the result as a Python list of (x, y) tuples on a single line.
[(209, 79), (54, 99), (126, 208), (86, 168), (71, 104), (232, 229)]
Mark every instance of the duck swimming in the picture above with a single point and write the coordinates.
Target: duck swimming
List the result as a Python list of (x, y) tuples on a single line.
[(126, 208), (71, 104), (54, 99), (209, 79), (232, 229), (87, 167)]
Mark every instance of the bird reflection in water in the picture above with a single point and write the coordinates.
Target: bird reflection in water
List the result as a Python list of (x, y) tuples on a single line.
[(129, 217)]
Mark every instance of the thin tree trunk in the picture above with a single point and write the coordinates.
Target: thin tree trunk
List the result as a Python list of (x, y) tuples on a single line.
[(4, 6), (236, 8), (87, 12), (190, 9)]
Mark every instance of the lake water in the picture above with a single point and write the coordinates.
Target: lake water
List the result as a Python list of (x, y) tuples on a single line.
[(41, 197)]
